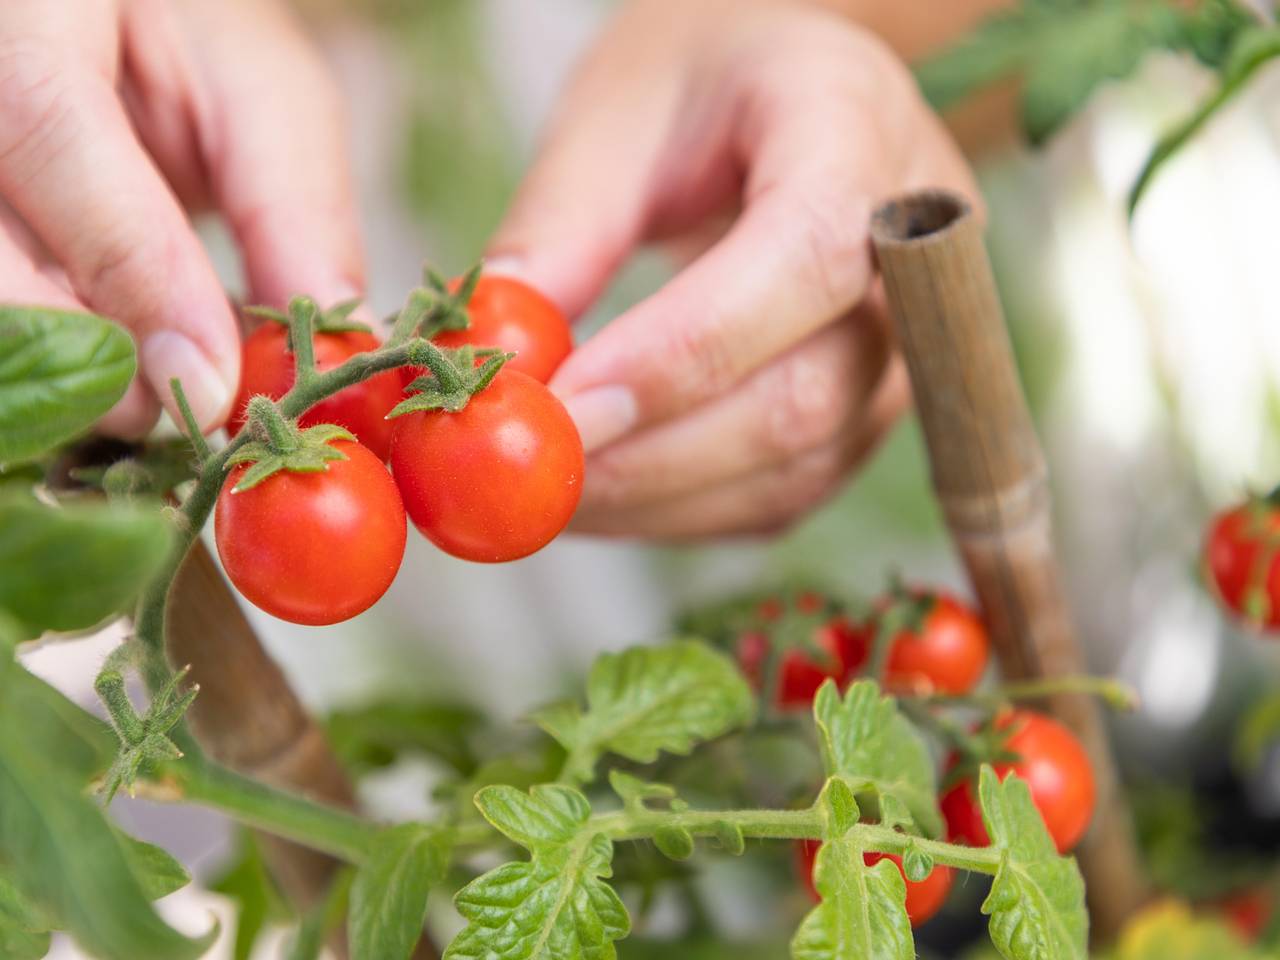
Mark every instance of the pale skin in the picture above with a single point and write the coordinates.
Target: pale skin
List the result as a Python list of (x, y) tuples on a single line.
[(752, 138)]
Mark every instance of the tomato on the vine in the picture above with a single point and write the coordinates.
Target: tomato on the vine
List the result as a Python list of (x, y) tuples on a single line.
[(313, 548), (1249, 912), (948, 654), (362, 408), (495, 481), (1242, 560), (834, 648), (924, 897), (1057, 772), (510, 314)]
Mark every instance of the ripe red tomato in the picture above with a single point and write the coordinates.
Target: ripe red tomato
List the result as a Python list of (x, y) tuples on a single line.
[(924, 898), (947, 655), (495, 481), (361, 408), (838, 651), (1057, 771), (1242, 560), (313, 548), (510, 314)]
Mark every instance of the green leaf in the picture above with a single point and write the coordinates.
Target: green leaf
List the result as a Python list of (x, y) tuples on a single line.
[(651, 699), (156, 869), (247, 882), (24, 930), (59, 372), (863, 914), (376, 735), (1064, 50), (62, 852), (555, 906), (389, 895), (70, 567), (872, 746), (1253, 49), (1036, 903)]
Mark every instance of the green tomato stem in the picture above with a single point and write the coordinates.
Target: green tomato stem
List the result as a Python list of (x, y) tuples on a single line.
[(1117, 695)]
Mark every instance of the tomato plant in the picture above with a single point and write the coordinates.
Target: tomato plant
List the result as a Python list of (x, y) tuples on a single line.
[(946, 652), (1056, 769), (509, 314), (924, 897), (267, 369), (313, 547), (1242, 561), (495, 481)]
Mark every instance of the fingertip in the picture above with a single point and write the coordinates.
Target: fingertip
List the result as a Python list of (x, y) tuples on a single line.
[(167, 355)]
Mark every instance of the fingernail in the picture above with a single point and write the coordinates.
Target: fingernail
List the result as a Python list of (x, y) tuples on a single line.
[(602, 414), (166, 355), (507, 265)]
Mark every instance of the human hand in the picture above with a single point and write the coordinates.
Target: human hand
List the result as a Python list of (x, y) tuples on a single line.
[(738, 396), (114, 116)]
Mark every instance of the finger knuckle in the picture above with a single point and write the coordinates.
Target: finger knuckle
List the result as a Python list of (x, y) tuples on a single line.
[(703, 359), (125, 261), (806, 404), (36, 104), (800, 485), (834, 237)]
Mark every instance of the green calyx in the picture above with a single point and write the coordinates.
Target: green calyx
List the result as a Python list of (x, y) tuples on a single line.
[(280, 444), (433, 309), (453, 377), (337, 319)]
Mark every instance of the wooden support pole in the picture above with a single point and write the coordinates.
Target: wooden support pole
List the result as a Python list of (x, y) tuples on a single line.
[(989, 474)]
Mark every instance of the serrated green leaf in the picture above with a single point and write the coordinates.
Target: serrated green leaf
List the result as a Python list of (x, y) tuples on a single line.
[(648, 700), (1036, 903), (157, 871), (71, 567), (61, 850), (872, 746), (258, 902), (863, 913), (59, 372), (1065, 50), (555, 906), (389, 894), (24, 930)]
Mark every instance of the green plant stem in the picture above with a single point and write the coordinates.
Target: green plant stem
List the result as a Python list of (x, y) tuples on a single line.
[(255, 804), (1119, 696), (194, 513), (302, 328), (198, 443)]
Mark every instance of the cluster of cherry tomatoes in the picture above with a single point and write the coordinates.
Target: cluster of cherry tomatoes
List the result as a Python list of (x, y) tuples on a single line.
[(1242, 560), (936, 643), (492, 482)]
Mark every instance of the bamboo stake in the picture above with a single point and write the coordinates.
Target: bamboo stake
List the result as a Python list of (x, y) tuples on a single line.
[(990, 476), (249, 718)]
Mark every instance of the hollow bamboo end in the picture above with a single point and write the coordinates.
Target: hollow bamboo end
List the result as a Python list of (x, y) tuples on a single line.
[(924, 217)]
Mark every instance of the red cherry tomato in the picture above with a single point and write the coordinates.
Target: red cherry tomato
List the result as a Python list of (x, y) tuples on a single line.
[(838, 651), (495, 481), (313, 548), (924, 898), (947, 655), (361, 408), (512, 315), (1242, 560), (1249, 912), (1057, 772)]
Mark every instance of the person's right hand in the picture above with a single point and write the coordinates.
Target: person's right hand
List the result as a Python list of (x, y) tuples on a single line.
[(117, 114)]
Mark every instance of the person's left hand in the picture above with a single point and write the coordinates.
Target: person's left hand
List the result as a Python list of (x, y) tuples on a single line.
[(742, 393)]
